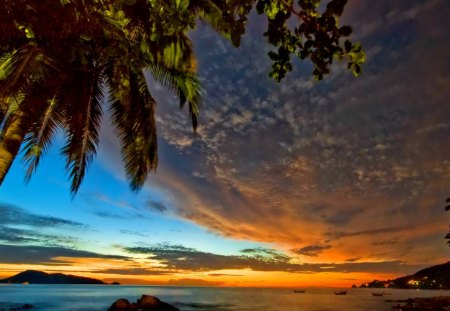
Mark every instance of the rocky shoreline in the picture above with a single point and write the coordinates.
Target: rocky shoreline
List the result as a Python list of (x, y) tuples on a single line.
[(152, 303), (441, 303), (145, 303)]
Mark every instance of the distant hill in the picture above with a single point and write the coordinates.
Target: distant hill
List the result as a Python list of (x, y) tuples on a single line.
[(435, 277), (39, 277)]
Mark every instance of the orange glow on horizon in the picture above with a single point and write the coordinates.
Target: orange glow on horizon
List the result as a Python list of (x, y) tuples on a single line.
[(224, 278)]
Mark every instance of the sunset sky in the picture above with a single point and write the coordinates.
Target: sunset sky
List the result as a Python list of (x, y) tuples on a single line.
[(301, 183)]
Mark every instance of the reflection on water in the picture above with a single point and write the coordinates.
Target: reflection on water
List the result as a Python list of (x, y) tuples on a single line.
[(100, 297)]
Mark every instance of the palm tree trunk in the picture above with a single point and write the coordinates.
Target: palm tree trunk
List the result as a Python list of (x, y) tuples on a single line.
[(10, 142)]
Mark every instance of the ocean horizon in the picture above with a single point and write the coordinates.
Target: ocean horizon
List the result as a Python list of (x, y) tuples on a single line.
[(100, 297)]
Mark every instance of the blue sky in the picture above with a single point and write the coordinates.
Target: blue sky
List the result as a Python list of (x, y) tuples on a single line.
[(112, 212)]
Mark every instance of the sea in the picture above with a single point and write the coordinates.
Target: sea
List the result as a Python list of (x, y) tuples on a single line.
[(100, 297)]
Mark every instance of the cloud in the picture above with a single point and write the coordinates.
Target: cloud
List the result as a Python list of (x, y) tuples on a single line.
[(224, 274), (378, 231), (180, 258), (156, 206), (311, 250), (386, 242), (133, 271), (14, 254), (18, 226), (13, 215), (101, 205), (96, 198), (130, 232), (106, 214), (192, 282), (353, 259), (22, 236)]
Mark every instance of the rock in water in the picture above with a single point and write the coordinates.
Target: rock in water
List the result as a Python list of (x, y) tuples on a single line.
[(145, 303), (151, 303), (121, 305)]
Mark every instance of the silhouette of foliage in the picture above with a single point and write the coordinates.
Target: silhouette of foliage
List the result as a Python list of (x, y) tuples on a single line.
[(447, 208), (61, 61)]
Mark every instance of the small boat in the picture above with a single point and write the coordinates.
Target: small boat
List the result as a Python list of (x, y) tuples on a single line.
[(25, 283), (299, 291), (377, 294), (343, 292)]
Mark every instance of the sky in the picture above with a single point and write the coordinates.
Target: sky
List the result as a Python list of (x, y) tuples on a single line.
[(301, 183)]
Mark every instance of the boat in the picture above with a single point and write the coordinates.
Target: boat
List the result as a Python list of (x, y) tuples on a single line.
[(299, 291), (377, 294), (343, 292), (25, 283)]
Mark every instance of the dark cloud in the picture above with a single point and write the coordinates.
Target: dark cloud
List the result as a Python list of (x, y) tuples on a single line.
[(342, 234), (264, 254), (134, 271), (18, 226), (156, 206), (13, 235), (23, 236), (353, 259), (14, 254), (311, 250), (342, 218), (177, 257), (386, 242), (13, 215)]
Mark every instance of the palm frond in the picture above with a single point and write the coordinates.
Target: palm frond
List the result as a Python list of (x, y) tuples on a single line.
[(23, 68), (186, 85), (133, 114), (210, 13), (23, 112), (6, 60), (82, 124), (40, 136), (173, 51)]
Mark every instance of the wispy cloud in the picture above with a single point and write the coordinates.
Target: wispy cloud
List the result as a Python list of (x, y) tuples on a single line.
[(311, 250), (14, 254), (18, 226), (13, 215), (136, 233), (156, 206), (134, 271)]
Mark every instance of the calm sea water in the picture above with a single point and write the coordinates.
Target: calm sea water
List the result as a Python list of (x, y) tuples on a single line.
[(100, 297)]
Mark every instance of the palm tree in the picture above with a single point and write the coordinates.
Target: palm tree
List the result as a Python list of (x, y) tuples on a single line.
[(59, 79)]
